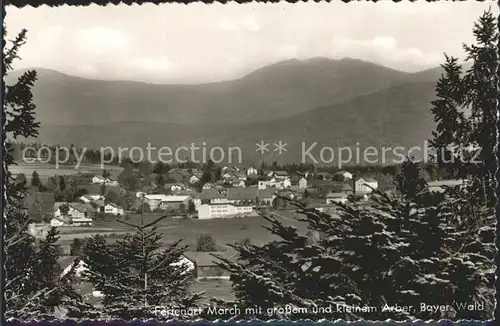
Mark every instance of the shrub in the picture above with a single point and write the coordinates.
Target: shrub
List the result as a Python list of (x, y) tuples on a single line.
[(205, 243)]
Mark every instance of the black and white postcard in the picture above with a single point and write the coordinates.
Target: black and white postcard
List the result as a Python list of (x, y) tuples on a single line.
[(274, 161)]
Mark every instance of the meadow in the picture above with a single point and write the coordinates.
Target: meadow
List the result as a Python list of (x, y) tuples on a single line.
[(223, 230), (49, 170)]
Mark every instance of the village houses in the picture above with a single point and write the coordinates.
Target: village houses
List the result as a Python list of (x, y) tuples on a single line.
[(251, 171), (97, 179), (113, 209), (364, 186), (336, 197), (165, 202), (90, 198), (75, 214), (342, 176)]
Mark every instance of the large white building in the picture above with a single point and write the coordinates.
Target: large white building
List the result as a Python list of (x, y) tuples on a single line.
[(207, 211)]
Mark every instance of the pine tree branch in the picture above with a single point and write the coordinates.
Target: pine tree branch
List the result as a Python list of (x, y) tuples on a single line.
[(155, 221), (10, 282), (9, 242), (129, 224)]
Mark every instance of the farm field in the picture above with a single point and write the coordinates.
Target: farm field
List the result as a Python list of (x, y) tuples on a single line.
[(49, 170), (81, 229), (223, 231)]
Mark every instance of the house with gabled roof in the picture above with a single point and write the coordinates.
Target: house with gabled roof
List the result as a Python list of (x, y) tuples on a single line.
[(113, 209), (251, 171), (205, 263), (77, 213), (342, 176), (365, 186)]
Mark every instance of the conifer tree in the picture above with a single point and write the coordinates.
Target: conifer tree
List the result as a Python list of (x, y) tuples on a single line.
[(449, 240), (452, 126), (481, 97), (32, 287), (407, 248), (294, 271), (472, 136), (35, 180), (136, 274)]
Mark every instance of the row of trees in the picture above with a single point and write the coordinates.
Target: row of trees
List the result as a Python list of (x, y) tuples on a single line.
[(22, 151), (408, 247)]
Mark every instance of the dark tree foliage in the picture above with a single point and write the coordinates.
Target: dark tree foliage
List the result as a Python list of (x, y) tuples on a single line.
[(452, 126), (406, 248), (35, 180), (33, 287), (466, 141), (205, 243), (138, 274)]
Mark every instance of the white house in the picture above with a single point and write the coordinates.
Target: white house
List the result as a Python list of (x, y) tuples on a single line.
[(154, 200), (280, 175), (99, 179), (285, 183), (113, 209), (238, 183), (208, 185), (241, 176), (174, 186), (107, 181), (73, 219), (263, 184), (251, 171), (280, 183), (208, 211), (366, 185), (303, 183), (336, 197), (78, 213), (90, 198), (79, 269), (343, 175), (193, 179), (56, 221), (228, 175), (38, 229)]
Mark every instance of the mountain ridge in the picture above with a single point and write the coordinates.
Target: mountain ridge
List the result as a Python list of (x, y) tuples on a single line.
[(331, 102), (269, 93)]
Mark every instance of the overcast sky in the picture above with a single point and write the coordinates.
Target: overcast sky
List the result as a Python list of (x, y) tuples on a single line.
[(175, 43)]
